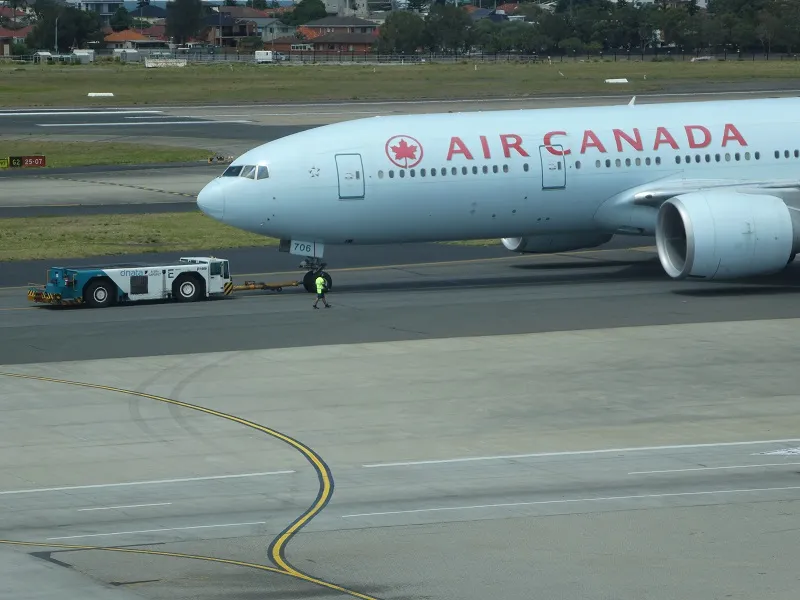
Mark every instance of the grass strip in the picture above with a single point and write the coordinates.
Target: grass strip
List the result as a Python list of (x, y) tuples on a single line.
[(82, 154), (132, 84), (86, 236)]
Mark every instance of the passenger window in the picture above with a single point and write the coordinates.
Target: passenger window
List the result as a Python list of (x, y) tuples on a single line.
[(658, 160), (215, 268), (249, 172), (263, 172), (232, 171)]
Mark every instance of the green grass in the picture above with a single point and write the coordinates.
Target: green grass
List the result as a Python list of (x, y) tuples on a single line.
[(113, 235), (85, 236), (55, 85), (79, 154)]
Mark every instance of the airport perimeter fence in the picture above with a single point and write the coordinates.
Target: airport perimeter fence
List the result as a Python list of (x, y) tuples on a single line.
[(356, 57)]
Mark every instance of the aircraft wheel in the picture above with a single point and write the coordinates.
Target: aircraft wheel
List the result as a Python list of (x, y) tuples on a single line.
[(308, 282)]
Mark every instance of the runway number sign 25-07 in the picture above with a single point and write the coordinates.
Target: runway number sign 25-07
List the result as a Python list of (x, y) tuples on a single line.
[(306, 249), (22, 162)]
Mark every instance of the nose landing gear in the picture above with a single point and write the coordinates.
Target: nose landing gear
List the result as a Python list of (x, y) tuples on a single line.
[(315, 268)]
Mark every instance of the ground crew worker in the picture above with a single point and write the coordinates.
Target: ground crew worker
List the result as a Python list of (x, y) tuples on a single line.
[(321, 289)]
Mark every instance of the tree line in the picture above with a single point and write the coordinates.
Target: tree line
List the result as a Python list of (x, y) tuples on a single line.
[(594, 26), (575, 26)]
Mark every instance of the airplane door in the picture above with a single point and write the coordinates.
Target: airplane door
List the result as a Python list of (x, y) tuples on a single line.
[(554, 168), (351, 176)]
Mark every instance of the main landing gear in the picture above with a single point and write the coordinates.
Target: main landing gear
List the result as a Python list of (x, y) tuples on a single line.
[(315, 268)]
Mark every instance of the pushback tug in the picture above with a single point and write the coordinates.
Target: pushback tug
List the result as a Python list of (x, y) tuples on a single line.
[(189, 280)]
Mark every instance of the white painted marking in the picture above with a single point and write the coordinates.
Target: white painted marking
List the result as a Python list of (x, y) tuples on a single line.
[(573, 500), (128, 506), (74, 537), (129, 124), (712, 468), (67, 113), (784, 452), (292, 114), (488, 100), (576, 453), (154, 482)]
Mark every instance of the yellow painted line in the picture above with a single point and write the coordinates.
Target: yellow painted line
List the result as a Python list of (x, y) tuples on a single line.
[(425, 264), (278, 546), (453, 262)]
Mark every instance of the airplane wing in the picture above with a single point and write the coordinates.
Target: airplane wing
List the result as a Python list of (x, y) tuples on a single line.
[(634, 210), (654, 195)]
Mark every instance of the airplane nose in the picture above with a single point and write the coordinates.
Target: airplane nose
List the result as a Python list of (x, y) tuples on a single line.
[(211, 200)]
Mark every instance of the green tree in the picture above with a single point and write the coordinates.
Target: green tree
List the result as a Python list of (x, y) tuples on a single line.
[(447, 28), (121, 20), (184, 19), (402, 32), (305, 11), (75, 27)]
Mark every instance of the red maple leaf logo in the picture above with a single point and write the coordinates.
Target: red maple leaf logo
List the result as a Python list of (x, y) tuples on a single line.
[(404, 150)]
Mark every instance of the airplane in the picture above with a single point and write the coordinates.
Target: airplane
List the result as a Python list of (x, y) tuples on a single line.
[(716, 182)]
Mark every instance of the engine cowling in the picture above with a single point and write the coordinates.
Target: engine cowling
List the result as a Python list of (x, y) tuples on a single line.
[(541, 244), (719, 234)]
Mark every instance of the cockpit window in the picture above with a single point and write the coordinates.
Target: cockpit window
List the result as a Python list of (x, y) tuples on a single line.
[(249, 171), (263, 172), (232, 171)]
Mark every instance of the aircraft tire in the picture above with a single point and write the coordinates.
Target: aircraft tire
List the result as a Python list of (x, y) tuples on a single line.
[(308, 282)]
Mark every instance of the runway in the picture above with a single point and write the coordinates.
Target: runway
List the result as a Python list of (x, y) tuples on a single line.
[(491, 426), (462, 423)]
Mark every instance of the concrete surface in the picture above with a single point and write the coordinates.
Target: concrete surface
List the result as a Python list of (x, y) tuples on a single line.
[(479, 514), (53, 581)]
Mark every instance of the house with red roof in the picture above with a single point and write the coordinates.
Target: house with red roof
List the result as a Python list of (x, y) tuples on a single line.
[(127, 39)]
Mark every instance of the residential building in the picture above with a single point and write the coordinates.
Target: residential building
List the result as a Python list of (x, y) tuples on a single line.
[(126, 40), (341, 25), (347, 8), (344, 42), (148, 12), (13, 36), (225, 30), (268, 28)]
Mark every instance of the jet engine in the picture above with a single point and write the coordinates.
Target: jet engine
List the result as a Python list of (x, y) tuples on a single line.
[(722, 234), (541, 244)]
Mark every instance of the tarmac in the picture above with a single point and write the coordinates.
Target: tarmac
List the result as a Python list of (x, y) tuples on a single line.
[(462, 423)]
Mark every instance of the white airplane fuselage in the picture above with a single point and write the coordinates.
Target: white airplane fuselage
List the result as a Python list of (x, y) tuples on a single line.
[(543, 180)]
